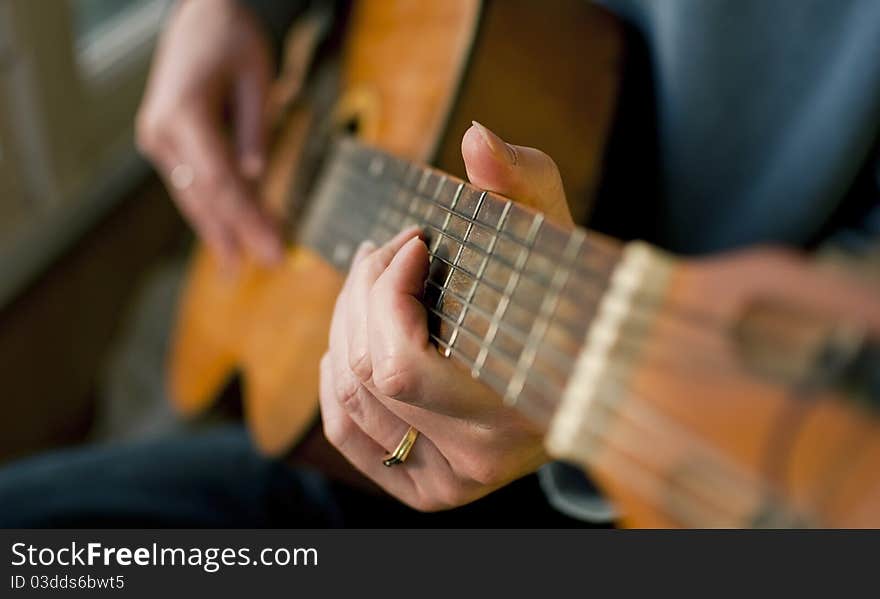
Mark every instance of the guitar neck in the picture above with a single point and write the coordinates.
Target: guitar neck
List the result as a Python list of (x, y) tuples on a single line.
[(510, 295), (583, 335)]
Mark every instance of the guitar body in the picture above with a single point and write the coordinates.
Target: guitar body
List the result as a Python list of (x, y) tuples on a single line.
[(413, 76)]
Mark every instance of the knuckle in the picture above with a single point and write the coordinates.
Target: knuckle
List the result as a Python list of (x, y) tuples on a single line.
[(485, 472), (548, 163), (213, 179), (359, 362), (394, 376), (336, 430), (150, 136), (349, 394), (370, 267)]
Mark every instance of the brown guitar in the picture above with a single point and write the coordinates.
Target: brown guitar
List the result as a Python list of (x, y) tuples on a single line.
[(740, 390), (734, 391), (413, 75)]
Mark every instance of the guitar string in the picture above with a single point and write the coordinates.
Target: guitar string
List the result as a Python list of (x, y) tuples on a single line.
[(409, 167), (687, 316), (628, 340), (359, 181), (453, 350), (499, 382), (609, 440), (684, 313), (363, 209), (454, 238), (474, 278)]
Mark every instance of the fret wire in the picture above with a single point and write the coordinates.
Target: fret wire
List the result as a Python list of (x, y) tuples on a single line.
[(422, 180), (565, 323), (499, 353), (455, 199), (597, 287), (589, 280), (624, 343), (376, 167), (540, 324), (468, 301), (512, 282), (598, 434), (516, 333), (588, 272), (476, 281), (494, 380), (450, 211), (487, 377), (478, 364), (504, 326), (448, 214), (694, 318)]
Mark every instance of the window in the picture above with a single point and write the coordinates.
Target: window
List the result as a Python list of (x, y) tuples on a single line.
[(110, 33), (71, 77)]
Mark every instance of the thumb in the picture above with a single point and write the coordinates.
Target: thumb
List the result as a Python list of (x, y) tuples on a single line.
[(526, 175), (249, 112)]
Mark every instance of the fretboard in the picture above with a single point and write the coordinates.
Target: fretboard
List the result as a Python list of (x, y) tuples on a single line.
[(510, 295)]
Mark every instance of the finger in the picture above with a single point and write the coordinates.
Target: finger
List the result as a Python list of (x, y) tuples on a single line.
[(211, 230), (362, 407), (366, 455), (397, 323), (523, 174), (338, 341), (249, 108), (400, 349), (362, 278), (224, 194)]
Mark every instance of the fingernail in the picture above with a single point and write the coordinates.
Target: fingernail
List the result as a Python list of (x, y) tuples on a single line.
[(502, 150), (416, 239), (365, 248)]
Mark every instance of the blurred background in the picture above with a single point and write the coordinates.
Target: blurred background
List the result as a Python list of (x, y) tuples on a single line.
[(91, 249)]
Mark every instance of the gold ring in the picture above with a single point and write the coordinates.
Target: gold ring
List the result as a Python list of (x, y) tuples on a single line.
[(401, 452)]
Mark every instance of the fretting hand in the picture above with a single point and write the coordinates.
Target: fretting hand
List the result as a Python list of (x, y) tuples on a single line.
[(381, 375)]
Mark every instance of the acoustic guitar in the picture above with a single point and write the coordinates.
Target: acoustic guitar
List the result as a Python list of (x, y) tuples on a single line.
[(739, 390), (411, 77)]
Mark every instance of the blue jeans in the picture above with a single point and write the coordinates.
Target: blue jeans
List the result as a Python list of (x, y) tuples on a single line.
[(215, 479)]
